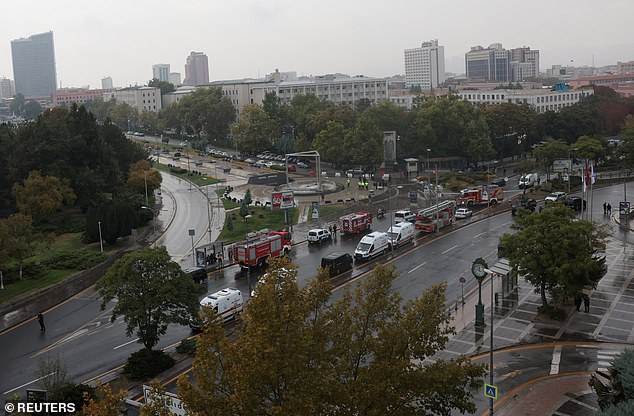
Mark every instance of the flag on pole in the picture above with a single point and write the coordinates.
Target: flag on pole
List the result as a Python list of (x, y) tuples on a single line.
[(593, 177), (586, 179)]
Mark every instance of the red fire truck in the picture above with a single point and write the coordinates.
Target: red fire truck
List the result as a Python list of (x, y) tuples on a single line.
[(356, 223), (486, 195), (258, 247), (426, 218)]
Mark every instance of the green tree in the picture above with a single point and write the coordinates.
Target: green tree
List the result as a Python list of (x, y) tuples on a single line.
[(365, 144), (362, 354), (140, 174), (17, 105), (553, 150), (507, 123), (553, 250), (247, 197), (621, 409), (41, 196), (152, 291), (329, 142), (150, 122), (620, 385), (626, 149), (165, 86), (31, 109), (21, 238), (479, 146), (589, 148), (208, 110), (244, 209), (255, 131), (229, 222)]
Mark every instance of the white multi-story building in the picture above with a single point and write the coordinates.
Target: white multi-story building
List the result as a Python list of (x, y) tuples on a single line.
[(623, 68), (161, 72), (425, 66), (175, 78), (174, 97), (106, 83), (141, 98), (7, 88), (540, 99)]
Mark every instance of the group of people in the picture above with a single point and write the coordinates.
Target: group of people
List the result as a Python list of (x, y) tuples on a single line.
[(213, 258), (607, 208), (582, 298), (333, 230)]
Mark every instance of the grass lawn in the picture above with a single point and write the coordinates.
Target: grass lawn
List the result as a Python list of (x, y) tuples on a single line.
[(270, 219), (227, 203), (17, 288), (325, 210), (199, 180)]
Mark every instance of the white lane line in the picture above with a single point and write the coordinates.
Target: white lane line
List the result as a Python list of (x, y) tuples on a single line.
[(30, 382), (448, 250), (478, 235), (554, 364), (123, 345), (420, 265)]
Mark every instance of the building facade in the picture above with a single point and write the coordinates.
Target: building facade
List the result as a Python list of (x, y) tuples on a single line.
[(604, 80), (498, 64), (175, 78), (67, 96), (34, 65), (106, 83), (196, 69), (140, 98), (425, 66), (541, 100), (7, 88), (623, 68), (161, 72)]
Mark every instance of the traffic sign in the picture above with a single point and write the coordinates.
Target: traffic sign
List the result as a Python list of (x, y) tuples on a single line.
[(462, 279), (491, 391)]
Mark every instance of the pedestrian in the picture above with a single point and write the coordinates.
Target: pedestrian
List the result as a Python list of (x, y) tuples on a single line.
[(605, 208), (334, 230), (578, 301), (348, 182), (609, 209), (40, 319), (220, 257), (586, 303)]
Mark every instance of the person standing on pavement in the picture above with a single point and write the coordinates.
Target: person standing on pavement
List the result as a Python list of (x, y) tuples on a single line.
[(586, 303), (609, 209), (605, 208), (40, 319), (348, 182)]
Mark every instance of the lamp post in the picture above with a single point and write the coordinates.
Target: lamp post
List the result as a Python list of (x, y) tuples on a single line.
[(428, 152), (208, 213), (192, 232), (153, 217), (100, 239), (147, 203), (437, 213), (570, 170), (492, 273)]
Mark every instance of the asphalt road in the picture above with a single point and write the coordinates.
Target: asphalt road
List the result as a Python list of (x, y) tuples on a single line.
[(85, 340)]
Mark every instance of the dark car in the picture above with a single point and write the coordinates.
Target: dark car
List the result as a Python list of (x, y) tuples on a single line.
[(337, 263), (575, 203), (499, 182), (198, 274), (524, 203)]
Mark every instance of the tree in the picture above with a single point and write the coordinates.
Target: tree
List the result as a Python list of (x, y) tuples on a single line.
[(329, 142), (150, 121), (17, 105), (589, 148), (360, 355), (165, 86), (109, 403), (152, 291), (553, 250), (20, 237), (553, 150), (620, 388), (31, 109), (139, 174), (365, 143), (230, 222), (244, 209), (208, 110), (255, 131), (479, 146), (40, 196), (247, 197)]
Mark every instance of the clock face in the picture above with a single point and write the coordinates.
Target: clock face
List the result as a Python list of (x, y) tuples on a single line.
[(479, 270)]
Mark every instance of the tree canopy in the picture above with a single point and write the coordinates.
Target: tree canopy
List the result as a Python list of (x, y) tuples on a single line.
[(152, 291), (208, 110), (362, 354), (40, 196)]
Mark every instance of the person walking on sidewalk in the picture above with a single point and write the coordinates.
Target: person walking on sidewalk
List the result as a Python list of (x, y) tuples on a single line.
[(40, 319), (605, 208), (586, 303), (348, 182), (578, 301), (609, 209)]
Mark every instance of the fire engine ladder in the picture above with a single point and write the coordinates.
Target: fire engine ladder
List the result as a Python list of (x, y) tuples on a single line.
[(430, 211)]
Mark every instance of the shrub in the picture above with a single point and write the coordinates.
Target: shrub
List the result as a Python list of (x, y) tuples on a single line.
[(73, 393), (75, 260), (187, 346), (145, 364)]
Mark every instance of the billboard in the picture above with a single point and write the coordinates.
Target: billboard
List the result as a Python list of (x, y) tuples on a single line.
[(562, 165), (282, 200)]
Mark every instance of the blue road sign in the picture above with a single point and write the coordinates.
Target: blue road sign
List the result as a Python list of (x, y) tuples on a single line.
[(491, 391)]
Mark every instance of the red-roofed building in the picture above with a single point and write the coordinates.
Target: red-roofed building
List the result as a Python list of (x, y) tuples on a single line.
[(604, 80)]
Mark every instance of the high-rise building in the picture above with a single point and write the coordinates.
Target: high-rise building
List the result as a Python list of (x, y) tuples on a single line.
[(425, 66), (34, 65), (175, 78), (196, 69), (7, 88), (623, 68), (106, 83), (161, 72), (498, 64)]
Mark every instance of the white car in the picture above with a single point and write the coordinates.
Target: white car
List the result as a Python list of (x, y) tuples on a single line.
[(318, 235), (555, 196), (463, 213)]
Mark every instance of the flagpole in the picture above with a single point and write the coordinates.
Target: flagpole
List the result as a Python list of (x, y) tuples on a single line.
[(592, 179)]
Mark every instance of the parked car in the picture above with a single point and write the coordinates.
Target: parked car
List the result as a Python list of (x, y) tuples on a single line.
[(337, 263), (555, 196), (575, 202), (318, 235), (499, 181), (404, 215), (302, 165), (260, 164), (463, 213), (524, 203)]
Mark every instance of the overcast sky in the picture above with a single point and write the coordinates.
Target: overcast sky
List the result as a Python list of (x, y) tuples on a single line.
[(250, 38)]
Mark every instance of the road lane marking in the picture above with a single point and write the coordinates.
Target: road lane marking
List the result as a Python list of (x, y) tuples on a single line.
[(420, 265), (449, 249), (478, 235), (554, 364), (123, 345), (30, 382)]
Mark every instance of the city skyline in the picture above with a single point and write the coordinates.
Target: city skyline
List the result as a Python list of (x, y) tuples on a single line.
[(252, 38)]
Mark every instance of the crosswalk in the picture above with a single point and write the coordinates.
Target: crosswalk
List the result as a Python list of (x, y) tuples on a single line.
[(605, 357)]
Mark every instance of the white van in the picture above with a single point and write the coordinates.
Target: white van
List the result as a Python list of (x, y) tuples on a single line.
[(404, 215), (529, 180), (227, 303), (401, 233), (372, 245)]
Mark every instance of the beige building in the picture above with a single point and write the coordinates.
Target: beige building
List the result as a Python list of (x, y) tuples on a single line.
[(541, 100), (141, 98), (623, 68)]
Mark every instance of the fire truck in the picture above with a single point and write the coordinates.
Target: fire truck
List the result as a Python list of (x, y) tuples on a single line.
[(258, 247), (486, 195), (426, 218), (357, 222)]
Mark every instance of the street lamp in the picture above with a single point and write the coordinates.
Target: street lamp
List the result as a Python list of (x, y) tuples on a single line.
[(437, 213), (100, 239), (192, 232), (145, 180), (492, 273), (428, 152), (153, 217)]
